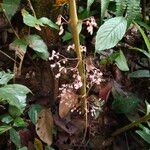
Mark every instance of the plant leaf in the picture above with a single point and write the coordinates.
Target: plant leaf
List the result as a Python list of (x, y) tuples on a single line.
[(6, 118), (23, 148), (10, 7), (15, 137), (30, 20), (5, 77), (15, 95), (104, 6), (38, 144), (4, 128), (19, 122), (67, 102), (38, 45), (147, 41), (140, 74), (44, 126), (110, 33), (144, 133), (89, 3), (123, 104), (34, 112), (121, 62), (48, 22)]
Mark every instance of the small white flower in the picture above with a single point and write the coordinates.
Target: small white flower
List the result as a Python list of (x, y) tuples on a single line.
[(61, 30)]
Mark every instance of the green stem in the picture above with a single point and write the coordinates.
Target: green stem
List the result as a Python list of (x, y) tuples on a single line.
[(76, 39), (133, 124)]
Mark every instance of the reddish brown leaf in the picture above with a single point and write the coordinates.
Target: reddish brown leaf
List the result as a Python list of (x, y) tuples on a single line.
[(67, 102), (105, 91), (44, 126)]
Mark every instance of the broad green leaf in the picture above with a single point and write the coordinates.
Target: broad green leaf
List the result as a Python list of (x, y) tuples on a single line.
[(30, 20), (48, 22), (20, 46), (34, 112), (15, 137), (19, 122), (14, 111), (146, 39), (140, 74), (121, 62), (104, 6), (6, 118), (15, 95), (123, 104), (4, 128), (38, 45), (144, 133), (67, 36), (89, 3), (5, 77), (10, 7), (110, 33)]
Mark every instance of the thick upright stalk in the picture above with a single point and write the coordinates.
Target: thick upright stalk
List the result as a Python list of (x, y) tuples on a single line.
[(76, 40)]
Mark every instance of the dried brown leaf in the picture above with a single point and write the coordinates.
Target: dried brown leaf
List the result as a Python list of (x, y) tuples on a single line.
[(44, 126), (67, 102)]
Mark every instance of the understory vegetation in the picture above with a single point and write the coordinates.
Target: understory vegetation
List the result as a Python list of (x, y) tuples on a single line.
[(74, 74)]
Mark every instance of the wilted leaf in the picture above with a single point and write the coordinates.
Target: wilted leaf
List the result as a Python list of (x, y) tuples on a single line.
[(15, 137), (110, 33), (34, 112), (123, 104), (44, 126), (38, 45), (140, 74), (38, 144), (15, 95), (121, 62), (67, 102), (10, 6), (5, 77)]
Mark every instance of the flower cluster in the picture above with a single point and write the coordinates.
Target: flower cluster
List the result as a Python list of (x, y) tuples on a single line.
[(72, 47), (95, 76), (91, 23)]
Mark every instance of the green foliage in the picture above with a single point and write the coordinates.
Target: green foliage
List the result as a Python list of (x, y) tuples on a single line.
[(19, 122), (120, 7), (133, 10), (38, 45), (89, 3), (15, 137), (104, 6), (34, 112), (121, 62), (5, 77), (110, 33), (140, 74), (4, 128), (32, 21), (129, 7), (15, 95), (123, 104), (6, 118), (10, 7), (144, 133)]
